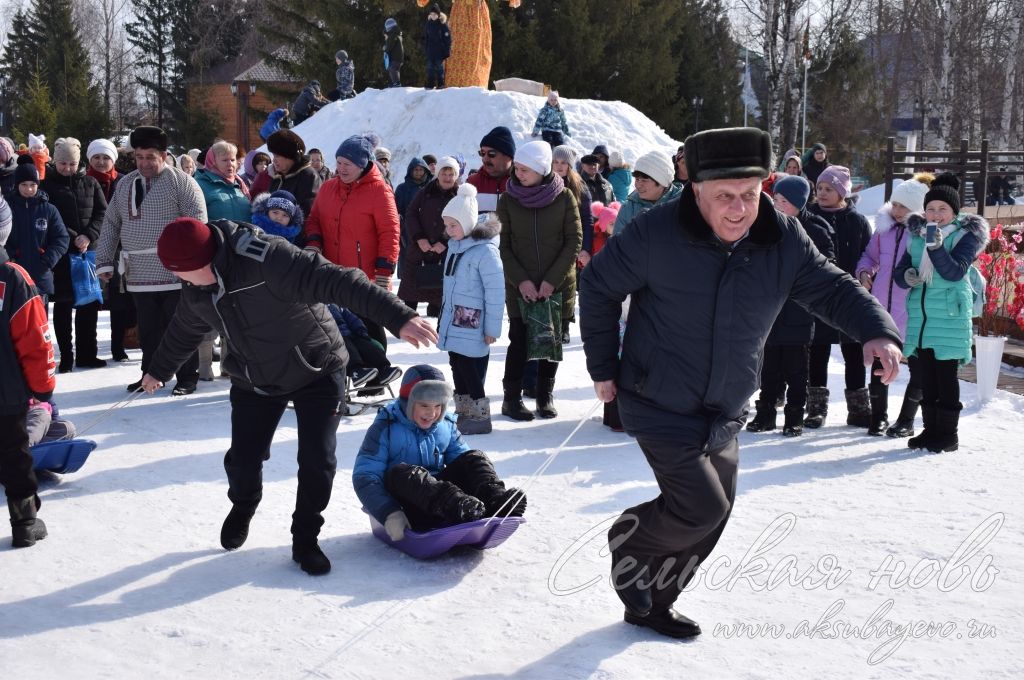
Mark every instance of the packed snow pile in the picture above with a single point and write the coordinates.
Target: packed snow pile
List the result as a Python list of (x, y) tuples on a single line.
[(412, 121)]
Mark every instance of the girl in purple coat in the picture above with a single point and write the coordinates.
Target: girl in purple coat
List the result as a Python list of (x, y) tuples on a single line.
[(875, 272)]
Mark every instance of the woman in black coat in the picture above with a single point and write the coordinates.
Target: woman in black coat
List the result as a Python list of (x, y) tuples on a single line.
[(427, 241), (81, 204)]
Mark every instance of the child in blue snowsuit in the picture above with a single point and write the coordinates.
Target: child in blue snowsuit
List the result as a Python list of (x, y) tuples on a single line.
[(415, 471), (279, 214)]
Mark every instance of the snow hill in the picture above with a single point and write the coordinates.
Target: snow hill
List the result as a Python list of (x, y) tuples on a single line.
[(412, 121)]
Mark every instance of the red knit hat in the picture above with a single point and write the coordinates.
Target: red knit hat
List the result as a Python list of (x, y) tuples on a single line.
[(186, 245)]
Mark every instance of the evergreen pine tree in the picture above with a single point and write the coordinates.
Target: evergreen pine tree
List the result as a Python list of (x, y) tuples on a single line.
[(37, 114), (151, 35), (47, 43), (21, 58)]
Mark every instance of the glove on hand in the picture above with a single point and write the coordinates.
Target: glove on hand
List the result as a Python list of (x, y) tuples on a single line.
[(396, 524)]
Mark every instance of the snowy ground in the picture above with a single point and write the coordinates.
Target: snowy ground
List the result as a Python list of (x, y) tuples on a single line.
[(132, 581)]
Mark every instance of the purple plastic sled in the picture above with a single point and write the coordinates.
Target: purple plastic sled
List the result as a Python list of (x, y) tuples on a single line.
[(62, 456), (481, 534)]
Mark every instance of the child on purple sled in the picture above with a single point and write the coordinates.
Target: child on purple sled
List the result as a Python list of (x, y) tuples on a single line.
[(415, 471)]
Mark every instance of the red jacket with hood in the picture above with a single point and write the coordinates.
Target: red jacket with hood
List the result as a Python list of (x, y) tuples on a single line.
[(356, 225)]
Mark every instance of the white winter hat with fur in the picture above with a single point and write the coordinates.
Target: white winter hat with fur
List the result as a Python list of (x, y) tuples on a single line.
[(910, 194), (463, 208)]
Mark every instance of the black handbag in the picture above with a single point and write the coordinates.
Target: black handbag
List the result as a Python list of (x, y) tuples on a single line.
[(429, 276)]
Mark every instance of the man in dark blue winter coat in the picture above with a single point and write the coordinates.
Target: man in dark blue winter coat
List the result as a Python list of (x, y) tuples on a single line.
[(265, 297), (707, 274)]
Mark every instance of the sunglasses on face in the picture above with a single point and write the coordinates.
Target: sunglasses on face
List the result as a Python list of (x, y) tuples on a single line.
[(487, 154)]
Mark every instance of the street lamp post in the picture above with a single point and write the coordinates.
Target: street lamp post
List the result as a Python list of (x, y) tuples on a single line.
[(697, 103), (921, 108)]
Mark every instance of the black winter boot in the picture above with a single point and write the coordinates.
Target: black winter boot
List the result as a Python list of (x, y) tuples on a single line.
[(904, 425), (766, 418), (236, 526), (794, 425), (474, 474), (879, 394), (922, 440), (545, 400), (513, 405), (454, 506), (67, 362), (311, 558), (858, 406), (817, 407), (26, 528), (945, 437)]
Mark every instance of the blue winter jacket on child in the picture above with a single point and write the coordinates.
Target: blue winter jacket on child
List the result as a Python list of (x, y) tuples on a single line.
[(393, 439), (551, 118), (473, 299), (348, 323), (261, 219), (38, 237)]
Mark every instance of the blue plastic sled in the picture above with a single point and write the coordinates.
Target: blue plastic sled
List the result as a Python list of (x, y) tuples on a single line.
[(481, 534), (62, 456)]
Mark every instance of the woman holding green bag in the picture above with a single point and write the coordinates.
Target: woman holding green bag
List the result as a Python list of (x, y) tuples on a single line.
[(541, 236)]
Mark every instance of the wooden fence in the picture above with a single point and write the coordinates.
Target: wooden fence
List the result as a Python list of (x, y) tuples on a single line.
[(970, 166)]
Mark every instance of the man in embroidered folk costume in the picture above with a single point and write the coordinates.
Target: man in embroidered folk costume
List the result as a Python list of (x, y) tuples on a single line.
[(144, 202)]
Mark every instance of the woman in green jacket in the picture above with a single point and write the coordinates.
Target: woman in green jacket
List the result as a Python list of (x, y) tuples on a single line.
[(541, 236)]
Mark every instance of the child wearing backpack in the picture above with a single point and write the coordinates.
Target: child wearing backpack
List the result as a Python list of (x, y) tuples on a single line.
[(415, 471)]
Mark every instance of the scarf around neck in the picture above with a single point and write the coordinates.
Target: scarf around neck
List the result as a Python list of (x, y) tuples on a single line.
[(539, 196), (105, 179), (211, 166), (926, 269)]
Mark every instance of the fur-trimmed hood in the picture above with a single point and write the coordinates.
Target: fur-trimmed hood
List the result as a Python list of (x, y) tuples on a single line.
[(486, 229), (972, 224), (259, 205), (884, 220)]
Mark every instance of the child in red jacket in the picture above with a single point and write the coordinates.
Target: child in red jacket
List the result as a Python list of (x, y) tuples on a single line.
[(27, 370)]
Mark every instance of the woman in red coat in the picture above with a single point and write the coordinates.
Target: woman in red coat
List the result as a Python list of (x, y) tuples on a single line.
[(354, 221)]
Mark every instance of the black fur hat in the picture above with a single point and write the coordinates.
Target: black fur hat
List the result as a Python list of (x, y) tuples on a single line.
[(288, 144), (945, 188), (148, 137), (729, 153)]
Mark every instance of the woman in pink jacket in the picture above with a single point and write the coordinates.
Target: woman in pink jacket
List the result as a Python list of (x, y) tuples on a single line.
[(875, 271)]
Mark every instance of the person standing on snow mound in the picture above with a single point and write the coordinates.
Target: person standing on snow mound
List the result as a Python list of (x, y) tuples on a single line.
[(267, 298), (722, 248), (415, 471)]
